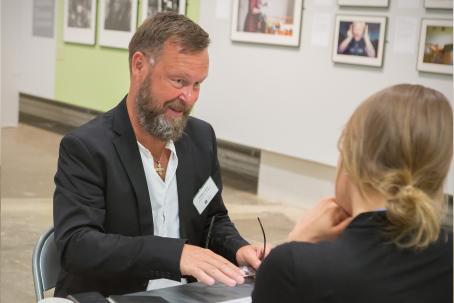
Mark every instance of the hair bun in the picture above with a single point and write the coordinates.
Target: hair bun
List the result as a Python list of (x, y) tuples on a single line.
[(413, 213), (411, 193), (410, 198), (407, 191)]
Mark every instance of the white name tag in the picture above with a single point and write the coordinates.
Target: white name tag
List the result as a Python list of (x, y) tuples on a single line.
[(205, 194)]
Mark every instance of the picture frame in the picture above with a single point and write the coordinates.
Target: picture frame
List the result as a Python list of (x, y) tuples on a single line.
[(276, 22), (117, 22), (436, 46), (152, 7), (364, 3), (359, 40), (438, 4), (79, 19)]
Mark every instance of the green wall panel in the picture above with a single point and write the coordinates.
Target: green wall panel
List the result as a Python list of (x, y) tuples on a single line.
[(94, 77)]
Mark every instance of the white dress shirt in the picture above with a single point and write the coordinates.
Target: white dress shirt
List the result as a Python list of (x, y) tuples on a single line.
[(164, 201)]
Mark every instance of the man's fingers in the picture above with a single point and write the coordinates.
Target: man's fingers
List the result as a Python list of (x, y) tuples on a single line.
[(220, 276), (268, 250), (236, 274), (203, 277), (225, 265), (220, 269), (254, 262), (252, 258), (208, 267)]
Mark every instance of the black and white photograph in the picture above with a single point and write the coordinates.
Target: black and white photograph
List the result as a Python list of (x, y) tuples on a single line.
[(118, 15), (118, 20), (79, 13), (359, 40), (152, 7), (267, 21), (79, 21), (170, 6)]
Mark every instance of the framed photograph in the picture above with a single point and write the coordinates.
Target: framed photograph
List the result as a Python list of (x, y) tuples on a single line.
[(368, 3), (267, 21), (359, 40), (152, 7), (444, 4), (79, 21), (435, 46), (118, 21)]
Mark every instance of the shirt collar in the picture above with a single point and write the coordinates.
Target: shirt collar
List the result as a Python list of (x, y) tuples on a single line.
[(169, 145)]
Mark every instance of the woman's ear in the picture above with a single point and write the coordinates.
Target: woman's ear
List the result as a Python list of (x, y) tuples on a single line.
[(345, 189), (339, 167)]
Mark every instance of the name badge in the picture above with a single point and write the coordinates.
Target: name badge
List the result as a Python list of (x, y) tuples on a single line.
[(205, 194)]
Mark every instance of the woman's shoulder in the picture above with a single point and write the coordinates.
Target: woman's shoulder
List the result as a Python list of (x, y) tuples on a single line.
[(293, 256), (286, 273)]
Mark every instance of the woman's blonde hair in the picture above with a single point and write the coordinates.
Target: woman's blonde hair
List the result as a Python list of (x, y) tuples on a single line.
[(398, 143)]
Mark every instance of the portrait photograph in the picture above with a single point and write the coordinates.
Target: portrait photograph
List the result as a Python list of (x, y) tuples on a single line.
[(359, 40), (152, 7), (79, 21), (117, 15), (267, 21), (438, 4), (366, 3), (435, 48), (118, 20), (172, 6)]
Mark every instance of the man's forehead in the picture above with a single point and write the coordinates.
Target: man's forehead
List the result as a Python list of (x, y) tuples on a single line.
[(175, 56), (174, 46), (189, 65)]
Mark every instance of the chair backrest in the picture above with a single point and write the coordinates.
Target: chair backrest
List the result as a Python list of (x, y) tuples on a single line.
[(45, 264)]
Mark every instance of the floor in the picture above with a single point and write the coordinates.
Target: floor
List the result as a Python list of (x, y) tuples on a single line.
[(29, 157)]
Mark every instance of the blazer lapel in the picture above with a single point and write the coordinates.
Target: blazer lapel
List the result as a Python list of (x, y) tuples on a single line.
[(128, 152), (185, 184)]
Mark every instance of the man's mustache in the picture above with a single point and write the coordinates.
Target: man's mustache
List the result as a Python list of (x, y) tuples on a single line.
[(178, 106)]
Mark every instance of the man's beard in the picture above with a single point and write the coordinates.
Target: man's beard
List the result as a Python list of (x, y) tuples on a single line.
[(153, 119)]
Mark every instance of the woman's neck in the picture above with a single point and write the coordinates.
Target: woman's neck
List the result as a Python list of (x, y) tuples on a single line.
[(365, 203)]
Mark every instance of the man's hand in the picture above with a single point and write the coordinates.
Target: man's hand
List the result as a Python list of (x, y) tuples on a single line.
[(208, 267), (252, 255), (323, 222)]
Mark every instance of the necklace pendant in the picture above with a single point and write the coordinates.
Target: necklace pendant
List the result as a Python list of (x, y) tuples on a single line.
[(159, 169)]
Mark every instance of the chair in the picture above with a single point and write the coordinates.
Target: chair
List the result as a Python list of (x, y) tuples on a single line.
[(45, 264)]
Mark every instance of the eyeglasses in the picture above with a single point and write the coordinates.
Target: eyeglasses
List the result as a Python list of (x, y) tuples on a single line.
[(210, 229), (264, 239)]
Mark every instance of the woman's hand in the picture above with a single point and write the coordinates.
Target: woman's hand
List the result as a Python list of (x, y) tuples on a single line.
[(323, 222)]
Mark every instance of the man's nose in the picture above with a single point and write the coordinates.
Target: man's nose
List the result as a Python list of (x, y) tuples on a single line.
[(188, 95)]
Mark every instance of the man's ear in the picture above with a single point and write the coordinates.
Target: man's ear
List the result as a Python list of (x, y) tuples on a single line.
[(139, 65)]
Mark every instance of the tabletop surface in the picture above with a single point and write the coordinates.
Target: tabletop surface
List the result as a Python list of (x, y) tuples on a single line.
[(200, 293)]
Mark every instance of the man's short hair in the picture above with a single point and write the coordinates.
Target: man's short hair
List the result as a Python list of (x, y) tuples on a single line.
[(168, 26)]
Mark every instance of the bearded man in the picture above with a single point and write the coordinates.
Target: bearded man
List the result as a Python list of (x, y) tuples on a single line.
[(139, 187)]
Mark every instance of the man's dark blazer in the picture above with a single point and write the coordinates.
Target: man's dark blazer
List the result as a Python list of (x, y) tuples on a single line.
[(360, 266), (102, 213)]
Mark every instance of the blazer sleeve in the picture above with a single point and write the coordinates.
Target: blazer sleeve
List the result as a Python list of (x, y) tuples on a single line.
[(275, 278), (83, 245), (225, 239)]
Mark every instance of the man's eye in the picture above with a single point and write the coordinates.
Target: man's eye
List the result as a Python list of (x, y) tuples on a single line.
[(197, 85), (178, 82)]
